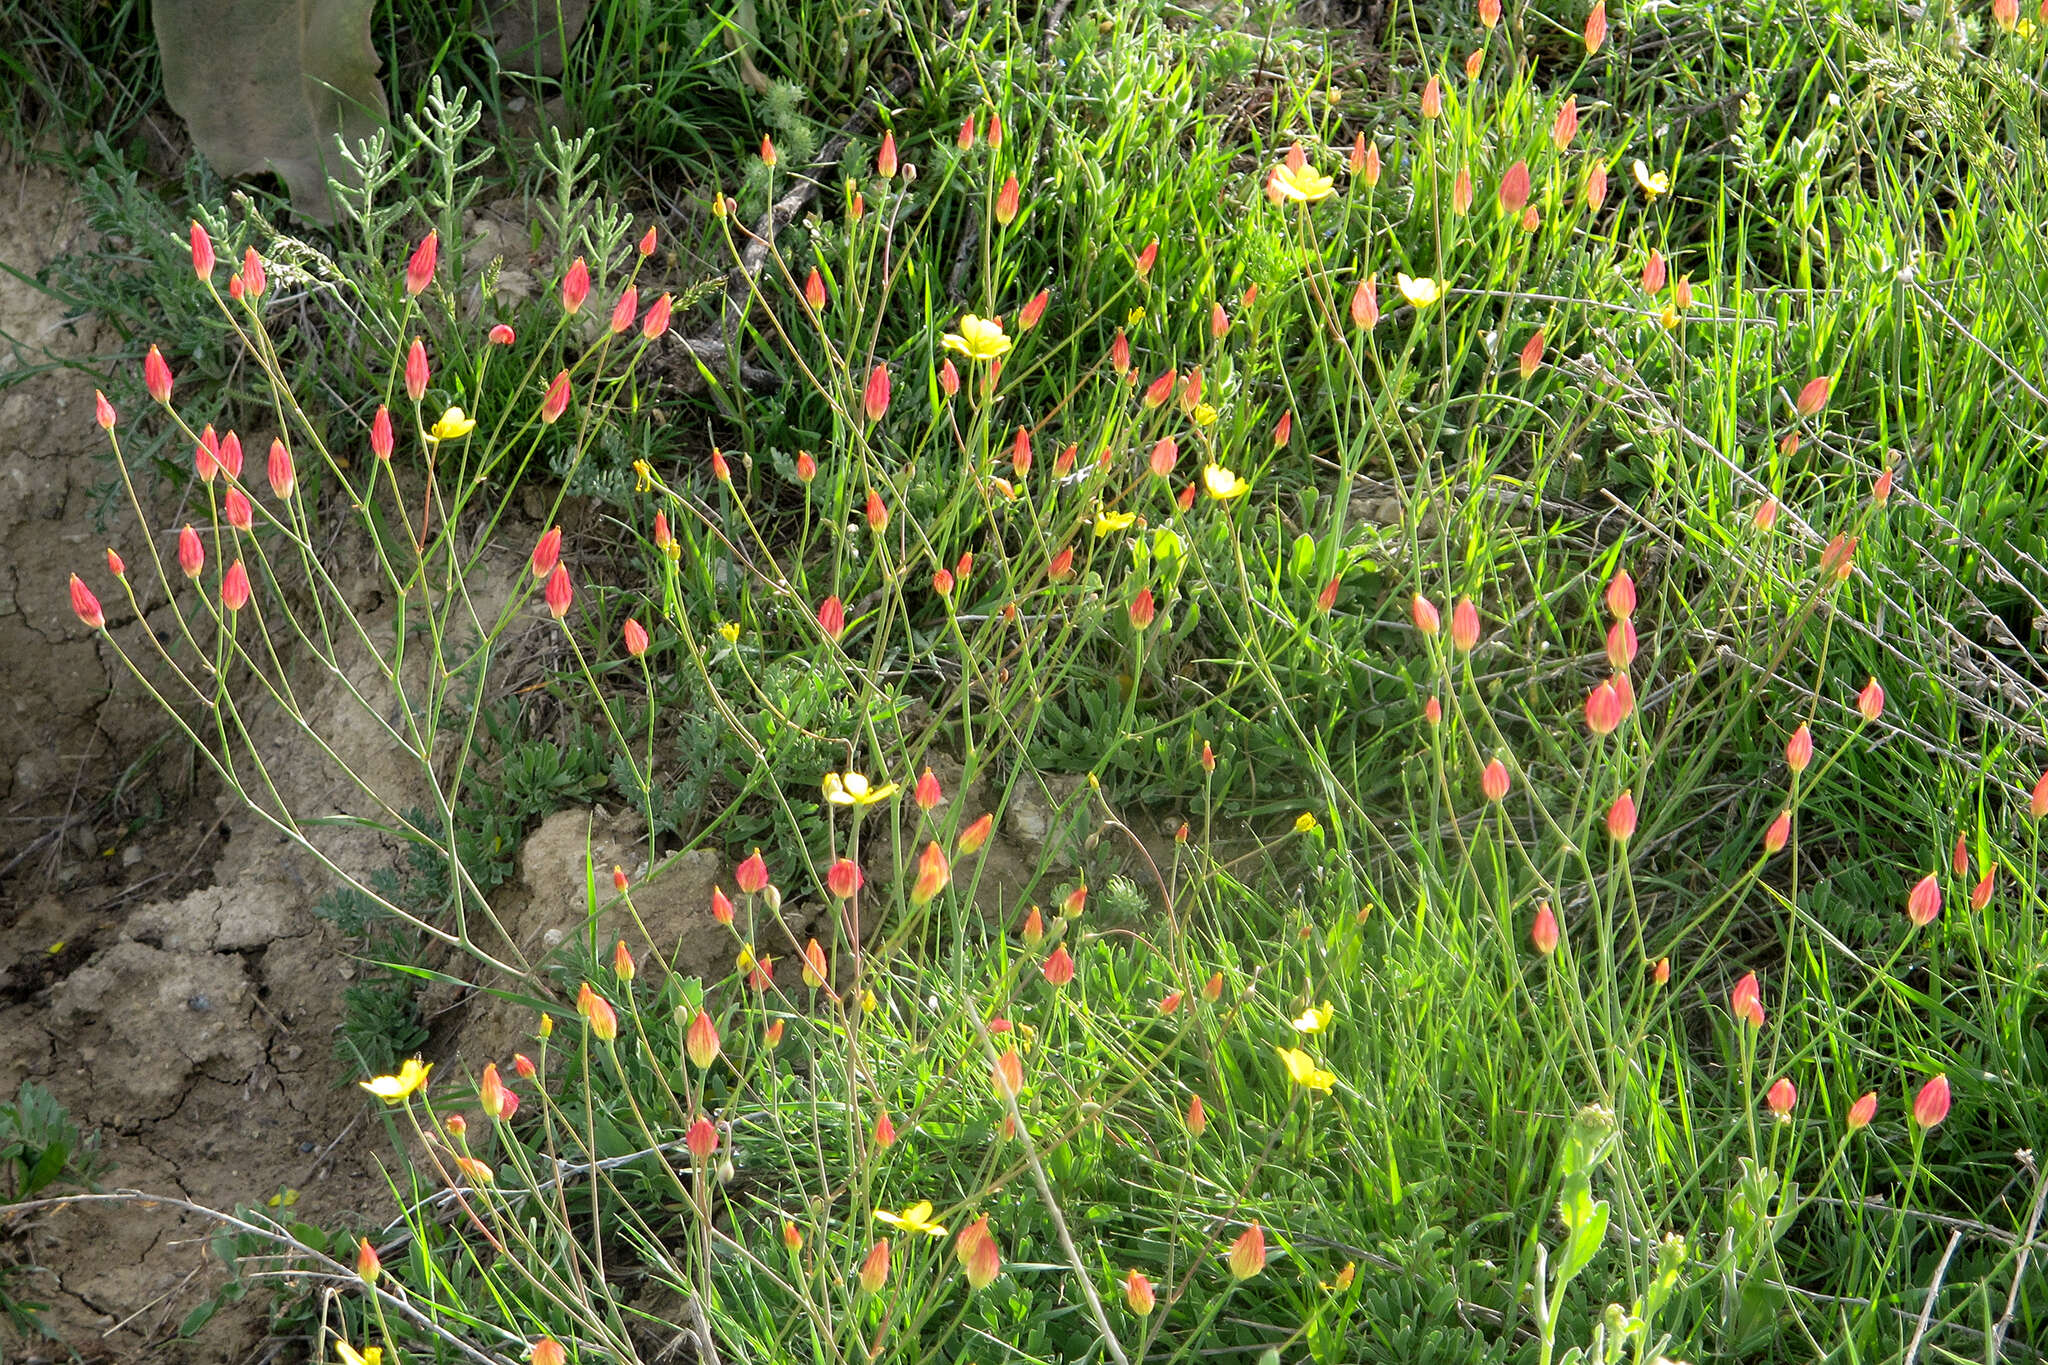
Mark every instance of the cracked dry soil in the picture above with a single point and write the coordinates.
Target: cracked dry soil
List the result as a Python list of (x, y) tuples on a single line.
[(160, 970)]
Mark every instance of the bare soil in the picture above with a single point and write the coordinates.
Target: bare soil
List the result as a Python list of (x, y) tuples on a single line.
[(160, 971)]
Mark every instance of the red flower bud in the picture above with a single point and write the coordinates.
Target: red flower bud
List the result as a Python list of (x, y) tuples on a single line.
[(419, 271)]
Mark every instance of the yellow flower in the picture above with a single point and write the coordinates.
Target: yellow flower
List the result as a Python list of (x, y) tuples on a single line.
[(745, 960), (730, 630), (1315, 1019), (1109, 523), (643, 474), (369, 1355), (916, 1218), (453, 425), (1304, 822), (1305, 186), (1302, 1069), (1223, 485), (1343, 1280), (1654, 183), (391, 1089), (978, 339), (851, 789), (1134, 317), (1204, 415), (868, 1003), (1421, 293)]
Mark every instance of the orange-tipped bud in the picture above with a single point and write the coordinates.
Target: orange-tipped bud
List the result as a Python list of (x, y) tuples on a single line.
[(598, 1013), (575, 286), (1565, 126), (1746, 1002), (1197, 1117), (1781, 1097), (1365, 303), (1165, 454), (976, 834), (700, 1041), (932, 875), (202, 252), (1980, 894), (283, 478), (235, 507), (1544, 933), (1596, 27), (1862, 1112), (1327, 598), (114, 563), (497, 1101), (965, 141), (1494, 781), (816, 971), (636, 637), (1008, 1074), (556, 400), (1603, 709), (1212, 989), (1147, 258), (1427, 619), (156, 376), (949, 378), (806, 466), (102, 411), (1779, 832), (1923, 903), (885, 1130), (86, 605), (874, 1271), (843, 878), (230, 455), (1653, 272), (1248, 1253), (1839, 558), (547, 552), (751, 876), (1464, 626), (1621, 817), (1432, 97), (832, 617), (702, 1138), (419, 270), (1661, 973), (1076, 902), (547, 1351), (768, 157), (416, 371), (558, 593), (368, 1264), (1030, 313), (655, 325), (1161, 389), (1930, 1106), (523, 1064), (1138, 1295), (875, 397), (191, 553), (1034, 928), (927, 793), (1514, 186), (1007, 199), (1621, 644), (2037, 804), (1120, 353), (1059, 968), (622, 960), (1060, 565), (1433, 711), (1960, 859), (1531, 358), (1799, 749), (1813, 397), (995, 130), (648, 241), (234, 587)]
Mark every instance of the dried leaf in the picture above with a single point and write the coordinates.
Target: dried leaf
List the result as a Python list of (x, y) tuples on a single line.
[(266, 85)]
